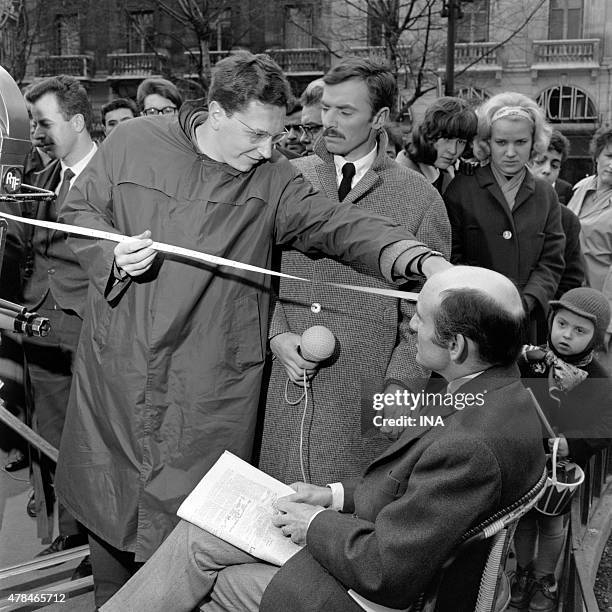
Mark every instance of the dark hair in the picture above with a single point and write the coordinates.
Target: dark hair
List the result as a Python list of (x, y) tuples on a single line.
[(446, 118), (161, 87), (378, 78), (560, 144), (394, 134), (243, 77), (600, 140), (311, 96), (71, 96), (119, 103), (497, 333)]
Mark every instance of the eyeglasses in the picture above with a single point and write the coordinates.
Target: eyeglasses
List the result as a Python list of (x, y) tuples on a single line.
[(167, 110), (258, 136), (311, 131)]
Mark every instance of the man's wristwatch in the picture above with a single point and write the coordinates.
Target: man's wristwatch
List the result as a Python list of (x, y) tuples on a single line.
[(424, 257)]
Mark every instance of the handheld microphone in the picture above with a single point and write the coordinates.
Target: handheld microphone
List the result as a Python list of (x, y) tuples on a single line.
[(317, 343)]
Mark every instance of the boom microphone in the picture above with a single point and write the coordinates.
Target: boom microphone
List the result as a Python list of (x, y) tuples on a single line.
[(317, 343)]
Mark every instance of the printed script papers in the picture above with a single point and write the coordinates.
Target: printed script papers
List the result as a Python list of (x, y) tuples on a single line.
[(234, 501)]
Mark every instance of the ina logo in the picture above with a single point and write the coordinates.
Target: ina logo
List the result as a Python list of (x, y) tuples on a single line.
[(12, 180)]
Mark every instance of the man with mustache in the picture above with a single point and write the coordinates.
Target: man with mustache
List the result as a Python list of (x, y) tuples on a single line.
[(55, 285), (374, 350)]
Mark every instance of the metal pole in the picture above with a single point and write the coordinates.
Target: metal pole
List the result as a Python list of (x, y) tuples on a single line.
[(449, 85)]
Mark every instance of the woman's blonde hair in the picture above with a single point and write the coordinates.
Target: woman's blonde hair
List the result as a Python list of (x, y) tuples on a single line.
[(523, 107)]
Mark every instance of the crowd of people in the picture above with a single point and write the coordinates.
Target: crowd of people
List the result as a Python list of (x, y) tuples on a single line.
[(157, 364)]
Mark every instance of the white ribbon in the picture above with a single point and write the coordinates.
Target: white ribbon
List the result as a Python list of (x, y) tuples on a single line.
[(198, 255)]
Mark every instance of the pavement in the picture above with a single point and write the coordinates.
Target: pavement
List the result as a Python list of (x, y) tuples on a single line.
[(19, 543)]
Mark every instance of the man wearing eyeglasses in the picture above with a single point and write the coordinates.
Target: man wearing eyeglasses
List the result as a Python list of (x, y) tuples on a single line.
[(158, 97), (170, 362), (311, 115)]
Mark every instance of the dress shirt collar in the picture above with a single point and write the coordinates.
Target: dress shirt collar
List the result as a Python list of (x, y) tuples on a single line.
[(362, 165), (455, 385), (79, 166)]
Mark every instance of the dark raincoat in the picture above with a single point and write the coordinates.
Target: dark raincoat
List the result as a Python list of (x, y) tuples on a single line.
[(169, 367)]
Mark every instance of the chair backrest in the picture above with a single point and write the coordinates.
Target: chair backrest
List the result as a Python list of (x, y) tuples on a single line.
[(498, 530)]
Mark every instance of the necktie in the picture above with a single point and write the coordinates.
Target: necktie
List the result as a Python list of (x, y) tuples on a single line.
[(348, 172), (61, 194)]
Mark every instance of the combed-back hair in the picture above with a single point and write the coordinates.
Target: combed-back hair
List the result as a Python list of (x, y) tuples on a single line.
[(71, 96), (120, 103), (161, 87), (447, 117), (379, 80), (497, 333), (243, 77), (311, 96)]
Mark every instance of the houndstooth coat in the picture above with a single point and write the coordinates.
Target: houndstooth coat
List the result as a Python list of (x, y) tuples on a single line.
[(373, 344)]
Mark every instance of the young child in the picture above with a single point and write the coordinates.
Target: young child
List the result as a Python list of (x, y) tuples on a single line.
[(574, 392)]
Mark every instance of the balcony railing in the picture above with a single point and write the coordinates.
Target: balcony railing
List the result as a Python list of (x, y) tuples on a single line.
[(483, 53), (375, 53), (78, 66), (574, 52), (301, 61), (135, 65)]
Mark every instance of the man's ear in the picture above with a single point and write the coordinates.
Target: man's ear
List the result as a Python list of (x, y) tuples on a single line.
[(216, 114), (77, 122), (458, 349), (380, 118)]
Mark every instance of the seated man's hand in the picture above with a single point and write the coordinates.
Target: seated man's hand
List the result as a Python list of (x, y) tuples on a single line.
[(285, 347), (135, 256), (310, 494), (294, 518)]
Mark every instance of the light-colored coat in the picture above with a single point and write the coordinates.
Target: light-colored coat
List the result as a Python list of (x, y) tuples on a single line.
[(373, 343)]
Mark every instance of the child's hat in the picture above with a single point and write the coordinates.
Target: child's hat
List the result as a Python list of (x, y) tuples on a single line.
[(588, 303)]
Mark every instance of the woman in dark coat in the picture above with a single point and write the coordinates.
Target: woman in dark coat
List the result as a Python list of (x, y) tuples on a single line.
[(502, 217)]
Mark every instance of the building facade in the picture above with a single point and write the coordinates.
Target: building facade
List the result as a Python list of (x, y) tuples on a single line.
[(558, 52)]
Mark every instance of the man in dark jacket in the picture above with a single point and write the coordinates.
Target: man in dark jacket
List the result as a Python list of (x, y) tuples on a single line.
[(169, 366), (55, 285), (400, 522)]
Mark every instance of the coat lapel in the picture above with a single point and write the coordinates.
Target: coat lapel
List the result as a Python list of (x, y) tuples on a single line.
[(326, 173), (525, 190), (487, 181), (493, 378)]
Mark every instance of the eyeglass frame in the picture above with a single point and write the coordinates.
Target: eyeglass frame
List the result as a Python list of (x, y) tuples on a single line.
[(152, 111), (258, 136), (308, 130)]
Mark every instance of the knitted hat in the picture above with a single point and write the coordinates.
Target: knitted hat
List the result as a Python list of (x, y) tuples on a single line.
[(588, 303)]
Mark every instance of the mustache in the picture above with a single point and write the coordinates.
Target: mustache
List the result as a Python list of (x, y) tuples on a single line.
[(330, 131)]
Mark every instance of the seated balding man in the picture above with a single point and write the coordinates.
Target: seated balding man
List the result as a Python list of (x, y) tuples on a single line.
[(401, 520)]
